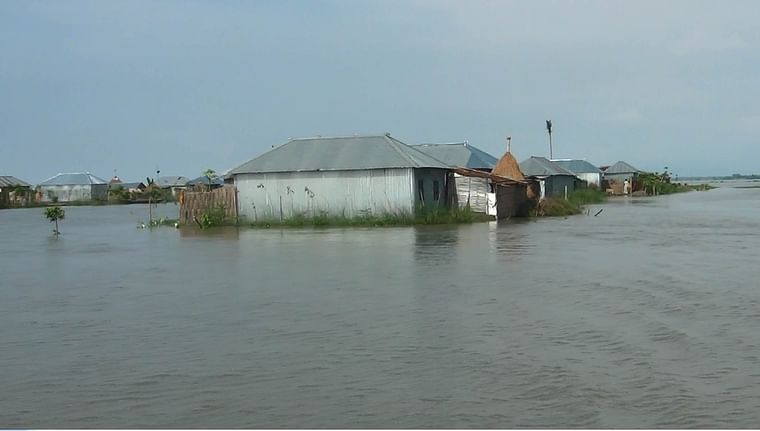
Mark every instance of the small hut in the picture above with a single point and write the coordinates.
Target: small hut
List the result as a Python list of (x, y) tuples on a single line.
[(10, 187)]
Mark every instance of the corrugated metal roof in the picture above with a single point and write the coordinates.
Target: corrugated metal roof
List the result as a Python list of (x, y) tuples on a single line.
[(9, 181), (621, 167), (73, 179), (339, 154), (172, 181), (461, 154), (542, 167), (577, 166)]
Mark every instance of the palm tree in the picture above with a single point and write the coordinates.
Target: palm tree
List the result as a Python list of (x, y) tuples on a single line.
[(210, 174), (549, 129), (54, 214)]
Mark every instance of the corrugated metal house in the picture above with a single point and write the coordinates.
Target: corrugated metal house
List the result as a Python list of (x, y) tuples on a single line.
[(343, 176), (582, 169), (615, 176), (496, 195), (137, 187), (553, 179), (7, 186), (70, 187), (472, 190), (621, 171)]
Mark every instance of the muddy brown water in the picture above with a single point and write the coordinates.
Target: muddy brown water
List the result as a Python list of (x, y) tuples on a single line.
[(645, 316)]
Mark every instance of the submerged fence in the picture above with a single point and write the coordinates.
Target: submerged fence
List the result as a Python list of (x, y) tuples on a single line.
[(192, 205)]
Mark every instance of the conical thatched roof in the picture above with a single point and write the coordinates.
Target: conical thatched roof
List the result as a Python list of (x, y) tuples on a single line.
[(507, 166)]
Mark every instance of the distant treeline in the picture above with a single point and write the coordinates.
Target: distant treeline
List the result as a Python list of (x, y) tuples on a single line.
[(729, 177)]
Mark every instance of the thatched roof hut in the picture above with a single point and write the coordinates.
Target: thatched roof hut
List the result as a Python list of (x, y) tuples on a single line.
[(507, 166)]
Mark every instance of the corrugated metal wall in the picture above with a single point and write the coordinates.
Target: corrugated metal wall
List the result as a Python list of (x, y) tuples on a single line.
[(340, 193), (472, 190), (555, 185)]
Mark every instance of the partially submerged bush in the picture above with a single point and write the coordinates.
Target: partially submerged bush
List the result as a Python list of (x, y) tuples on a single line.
[(557, 207)]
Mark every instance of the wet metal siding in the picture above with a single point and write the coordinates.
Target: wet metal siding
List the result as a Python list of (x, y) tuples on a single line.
[(71, 193), (270, 196), (428, 177)]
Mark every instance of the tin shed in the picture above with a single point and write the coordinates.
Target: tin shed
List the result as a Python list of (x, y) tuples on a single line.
[(346, 176)]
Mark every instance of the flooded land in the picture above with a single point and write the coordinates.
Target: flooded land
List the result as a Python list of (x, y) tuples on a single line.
[(645, 316)]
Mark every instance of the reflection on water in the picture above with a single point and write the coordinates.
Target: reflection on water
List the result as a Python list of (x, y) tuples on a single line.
[(645, 316), (226, 232), (435, 245), (510, 240)]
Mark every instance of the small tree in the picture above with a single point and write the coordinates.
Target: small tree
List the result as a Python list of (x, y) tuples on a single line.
[(210, 175), (54, 214)]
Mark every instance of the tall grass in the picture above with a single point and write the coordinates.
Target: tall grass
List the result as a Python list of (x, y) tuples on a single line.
[(588, 195), (422, 216)]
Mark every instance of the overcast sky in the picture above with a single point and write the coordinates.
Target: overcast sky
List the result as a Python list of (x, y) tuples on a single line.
[(132, 86)]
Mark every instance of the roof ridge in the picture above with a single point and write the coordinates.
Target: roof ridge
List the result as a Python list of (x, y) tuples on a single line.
[(431, 144), (394, 144), (311, 138)]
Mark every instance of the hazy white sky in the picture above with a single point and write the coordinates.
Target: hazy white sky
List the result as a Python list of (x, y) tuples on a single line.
[(182, 86)]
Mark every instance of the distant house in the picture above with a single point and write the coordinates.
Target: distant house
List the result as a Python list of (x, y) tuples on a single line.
[(175, 184), (621, 171), (342, 176), (203, 181), (460, 155), (582, 169), (8, 186), (70, 187), (137, 187), (554, 180), (615, 176)]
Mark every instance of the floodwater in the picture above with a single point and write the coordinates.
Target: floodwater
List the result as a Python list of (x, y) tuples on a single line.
[(645, 316)]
